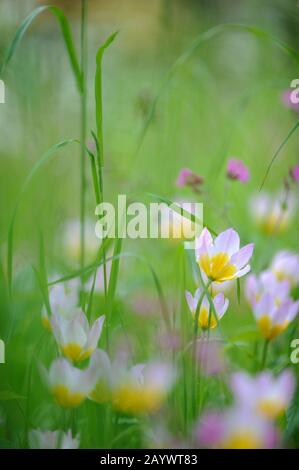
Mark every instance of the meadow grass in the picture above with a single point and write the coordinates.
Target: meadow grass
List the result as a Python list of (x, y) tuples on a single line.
[(197, 115)]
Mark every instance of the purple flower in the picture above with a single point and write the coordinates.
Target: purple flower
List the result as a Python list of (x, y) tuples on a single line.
[(266, 394), (236, 170), (235, 428), (188, 178), (287, 100), (294, 172)]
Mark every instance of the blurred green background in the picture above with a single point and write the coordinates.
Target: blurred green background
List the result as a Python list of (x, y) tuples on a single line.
[(224, 101)]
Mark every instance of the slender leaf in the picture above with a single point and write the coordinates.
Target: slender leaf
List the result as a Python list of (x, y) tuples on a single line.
[(66, 33), (277, 151)]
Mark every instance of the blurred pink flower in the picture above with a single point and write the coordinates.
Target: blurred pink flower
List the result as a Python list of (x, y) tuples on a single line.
[(169, 341), (273, 317), (188, 178), (265, 394), (285, 266), (236, 170), (294, 172), (256, 286), (286, 99), (235, 428), (211, 357)]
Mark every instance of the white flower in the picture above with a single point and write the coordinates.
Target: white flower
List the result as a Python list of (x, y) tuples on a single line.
[(69, 385), (272, 214), (64, 300), (77, 341), (39, 439), (285, 266), (206, 318)]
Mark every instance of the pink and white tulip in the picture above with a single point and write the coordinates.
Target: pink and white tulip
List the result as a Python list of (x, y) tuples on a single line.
[(285, 266), (235, 428), (222, 259), (206, 318), (265, 394)]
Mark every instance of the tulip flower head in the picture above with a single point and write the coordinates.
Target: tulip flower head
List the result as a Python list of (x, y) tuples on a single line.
[(63, 299), (39, 439), (143, 388), (76, 340), (272, 214), (285, 266), (236, 428), (273, 318), (256, 286), (70, 386), (206, 318), (268, 395), (222, 259), (236, 170)]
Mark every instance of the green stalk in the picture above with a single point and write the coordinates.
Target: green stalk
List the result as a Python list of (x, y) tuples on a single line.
[(265, 352), (83, 130), (195, 333)]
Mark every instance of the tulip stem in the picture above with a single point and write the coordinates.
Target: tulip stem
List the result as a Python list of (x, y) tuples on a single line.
[(83, 131), (264, 356), (195, 333)]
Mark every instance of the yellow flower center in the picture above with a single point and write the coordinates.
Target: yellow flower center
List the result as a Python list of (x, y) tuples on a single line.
[(271, 408), (66, 398), (274, 223), (242, 440), (217, 267), (130, 398), (269, 331), (75, 352), (204, 321)]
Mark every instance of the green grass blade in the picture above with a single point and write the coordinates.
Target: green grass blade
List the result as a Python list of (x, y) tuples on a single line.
[(66, 33), (98, 94), (44, 158), (277, 151)]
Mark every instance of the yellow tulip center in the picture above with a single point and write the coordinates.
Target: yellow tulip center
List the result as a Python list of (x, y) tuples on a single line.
[(75, 352), (271, 408), (269, 331), (66, 398), (217, 267), (242, 440), (204, 321), (133, 399)]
